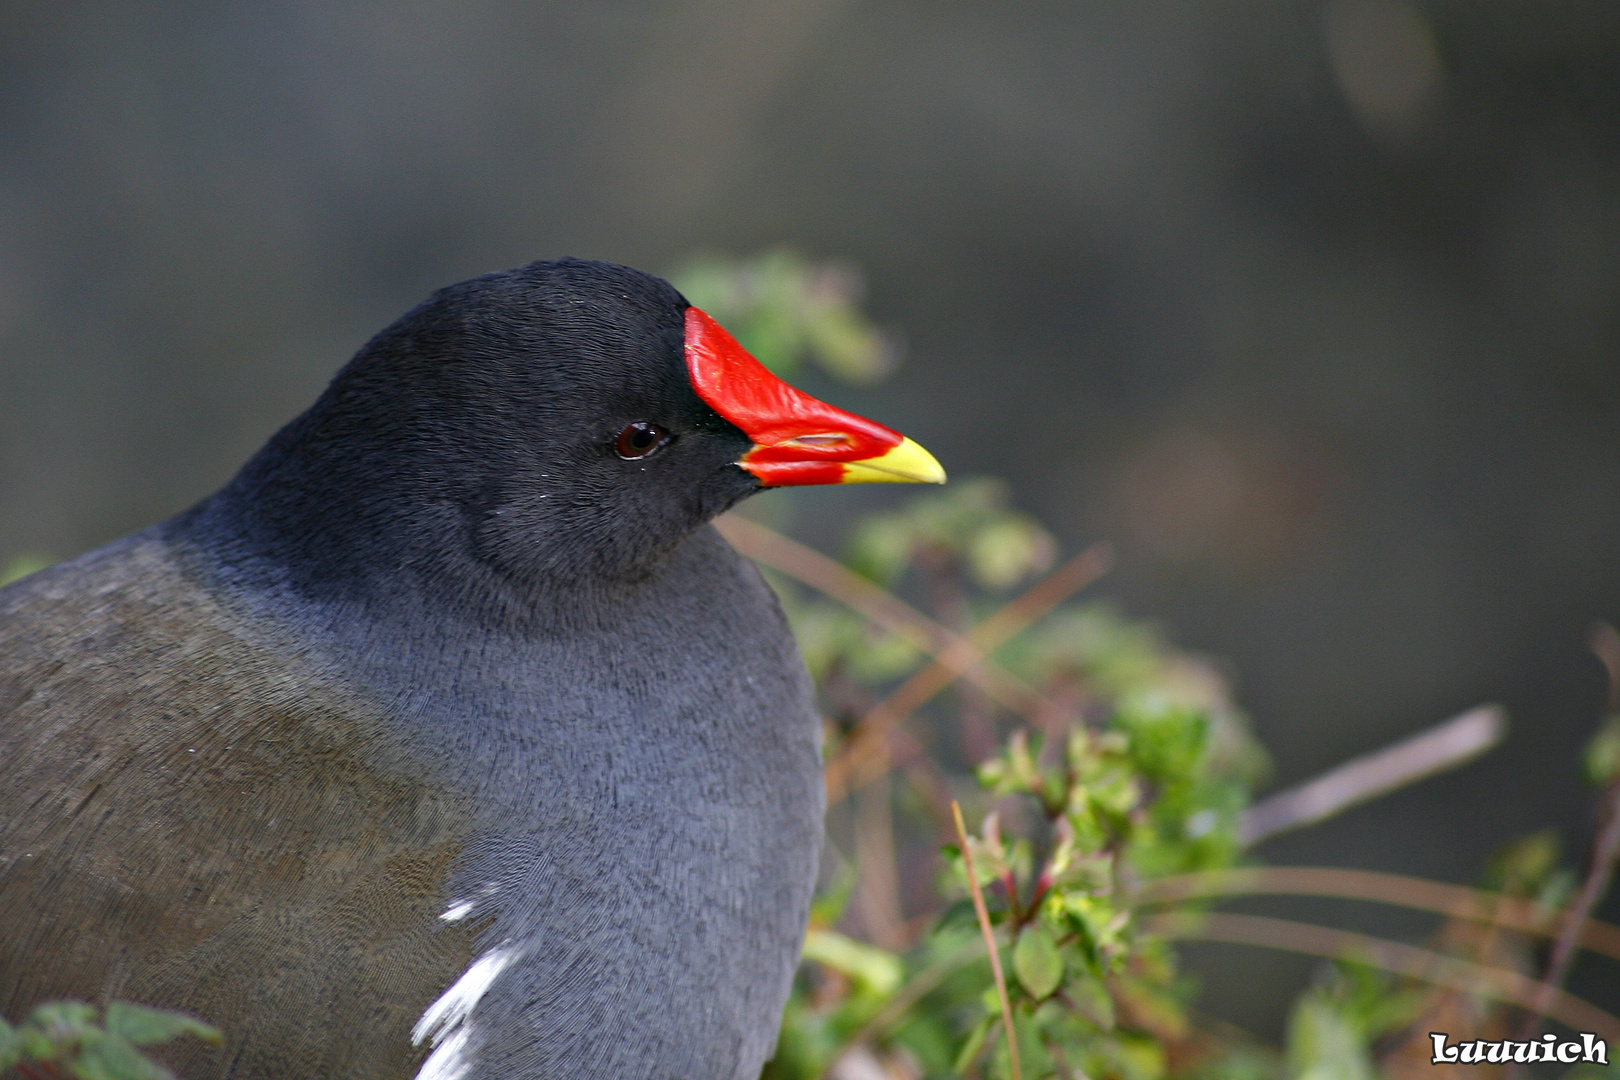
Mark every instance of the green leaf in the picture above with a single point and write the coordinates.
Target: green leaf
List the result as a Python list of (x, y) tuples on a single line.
[(144, 1027), (971, 1048), (64, 1021), (961, 914), (1037, 961), (867, 964), (10, 1046), (1602, 757), (881, 548), (848, 347), (1021, 762), (1524, 865), (39, 1046), (20, 566), (1032, 1052), (1323, 1044), (112, 1057), (782, 308), (1092, 1000), (1139, 1057), (1167, 740), (1084, 873), (828, 905), (1098, 926), (1008, 549)]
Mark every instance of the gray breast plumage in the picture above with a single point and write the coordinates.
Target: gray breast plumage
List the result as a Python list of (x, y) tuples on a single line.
[(586, 849)]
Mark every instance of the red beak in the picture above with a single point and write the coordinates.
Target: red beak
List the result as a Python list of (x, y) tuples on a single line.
[(797, 439)]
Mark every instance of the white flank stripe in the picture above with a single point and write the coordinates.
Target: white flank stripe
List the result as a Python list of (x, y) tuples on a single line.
[(457, 911), (444, 1021), (446, 1062)]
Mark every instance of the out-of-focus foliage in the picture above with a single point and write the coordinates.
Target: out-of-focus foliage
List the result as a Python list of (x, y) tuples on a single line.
[(1145, 774), (1149, 777), (1602, 757), (1143, 786), (969, 526), (72, 1039), (1611, 1071), (1137, 767), (787, 310), (20, 566), (846, 983), (1530, 867), (1134, 797), (967, 531), (1334, 1024)]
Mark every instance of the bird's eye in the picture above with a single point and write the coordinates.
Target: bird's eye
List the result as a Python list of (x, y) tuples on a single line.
[(640, 439)]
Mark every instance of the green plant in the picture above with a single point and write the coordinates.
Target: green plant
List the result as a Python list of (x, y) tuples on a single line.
[(785, 310), (1119, 786), (1110, 776), (20, 566), (1142, 770), (73, 1039)]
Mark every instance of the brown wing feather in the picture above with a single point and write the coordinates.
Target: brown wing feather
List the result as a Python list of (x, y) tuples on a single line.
[(191, 820)]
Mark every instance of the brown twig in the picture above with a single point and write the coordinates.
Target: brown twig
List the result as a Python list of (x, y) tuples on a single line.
[(1062, 583), (864, 757), (989, 940), (772, 549), (1452, 901), (877, 896), (1408, 960), (1444, 746), (942, 571), (1605, 642), (1605, 850)]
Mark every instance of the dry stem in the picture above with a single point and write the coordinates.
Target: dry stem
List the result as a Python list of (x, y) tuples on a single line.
[(1444, 746), (989, 940), (1605, 642), (809, 566), (1452, 901), (865, 756), (1409, 960), (1579, 917)]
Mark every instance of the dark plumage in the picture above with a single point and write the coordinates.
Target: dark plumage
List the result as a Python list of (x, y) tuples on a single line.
[(442, 718)]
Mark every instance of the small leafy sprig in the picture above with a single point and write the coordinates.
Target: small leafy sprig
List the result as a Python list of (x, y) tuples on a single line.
[(1137, 799), (69, 1039)]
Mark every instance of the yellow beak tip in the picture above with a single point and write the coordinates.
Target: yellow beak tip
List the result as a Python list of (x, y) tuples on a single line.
[(907, 463)]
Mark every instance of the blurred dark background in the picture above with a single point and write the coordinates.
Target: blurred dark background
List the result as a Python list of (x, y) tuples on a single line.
[(1313, 309)]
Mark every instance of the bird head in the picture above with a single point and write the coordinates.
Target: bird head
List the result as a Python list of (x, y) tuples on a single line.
[(567, 420)]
